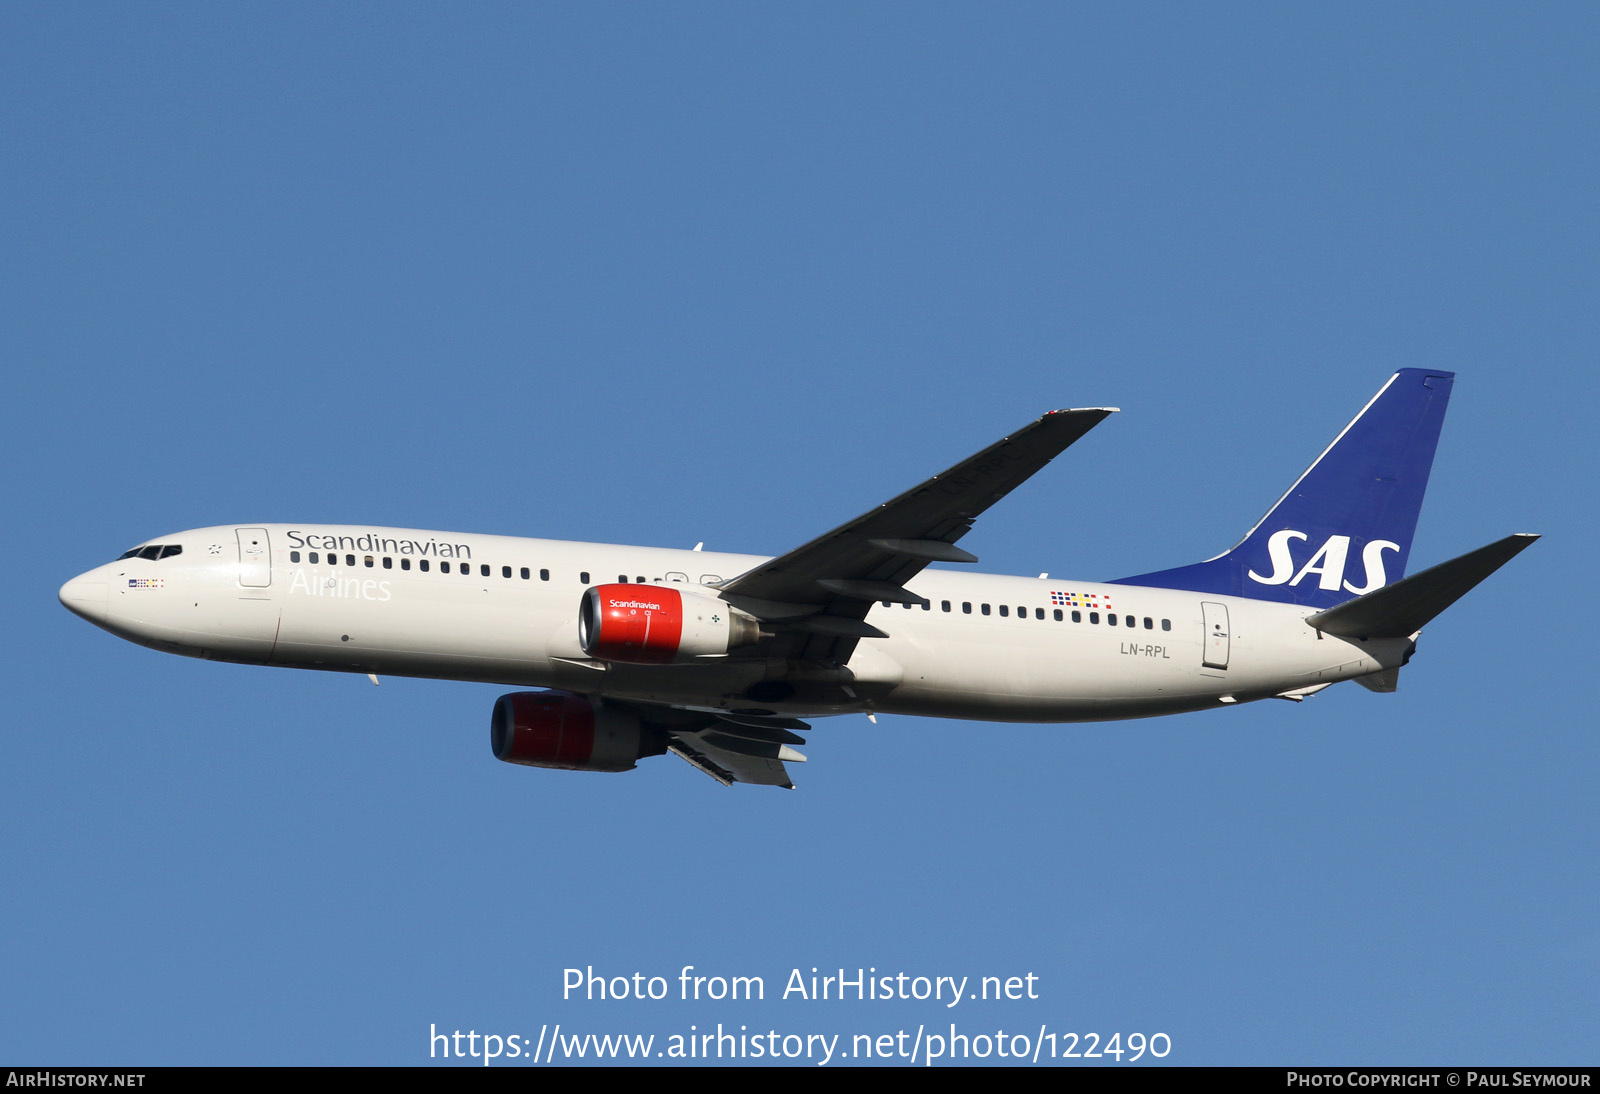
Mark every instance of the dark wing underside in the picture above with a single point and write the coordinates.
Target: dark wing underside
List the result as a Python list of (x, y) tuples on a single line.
[(818, 594), (729, 747), (813, 601)]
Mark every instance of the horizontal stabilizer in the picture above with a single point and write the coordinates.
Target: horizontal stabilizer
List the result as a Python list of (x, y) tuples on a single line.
[(1406, 606)]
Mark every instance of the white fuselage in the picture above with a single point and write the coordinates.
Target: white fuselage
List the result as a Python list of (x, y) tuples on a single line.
[(505, 610)]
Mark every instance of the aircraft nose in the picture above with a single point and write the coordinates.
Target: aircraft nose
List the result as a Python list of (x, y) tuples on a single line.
[(86, 597)]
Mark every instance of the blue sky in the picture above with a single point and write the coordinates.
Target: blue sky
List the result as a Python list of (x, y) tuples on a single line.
[(736, 273)]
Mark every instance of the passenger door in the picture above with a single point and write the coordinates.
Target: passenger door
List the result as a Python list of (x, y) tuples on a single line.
[(1215, 620)]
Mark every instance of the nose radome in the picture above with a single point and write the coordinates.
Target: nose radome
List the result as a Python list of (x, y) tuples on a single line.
[(85, 597)]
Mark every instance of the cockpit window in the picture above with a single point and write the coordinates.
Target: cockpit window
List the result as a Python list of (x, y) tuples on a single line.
[(153, 551)]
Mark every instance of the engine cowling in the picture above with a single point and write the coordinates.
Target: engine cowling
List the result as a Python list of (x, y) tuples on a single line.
[(561, 730), (658, 625)]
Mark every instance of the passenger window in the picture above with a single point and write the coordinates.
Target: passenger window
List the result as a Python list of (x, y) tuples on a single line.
[(505, 571), (1149, 624), (1005, 610), (405, 564), (622, 579), (525, 573), (1094, 617), (422, 564), (583, 577), (294, 556), (313, 557), (1077, 617), (350, 560), (985, 609), (388, 563), (944, 605), (444, 567), (1128, 620), (1058, 615), (1166, 624), (1038, 613), (1022, 613), (927, 605), (1111, 619), (466, 569), (544, 575), (966, 607), (369, 562)]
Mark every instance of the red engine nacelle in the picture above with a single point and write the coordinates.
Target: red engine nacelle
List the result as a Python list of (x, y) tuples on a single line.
[(657, 624), (558, 729)]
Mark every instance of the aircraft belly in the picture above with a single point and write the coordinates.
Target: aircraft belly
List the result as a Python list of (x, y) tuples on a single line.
[(940, 703), (1076, 676), (1100, 674)]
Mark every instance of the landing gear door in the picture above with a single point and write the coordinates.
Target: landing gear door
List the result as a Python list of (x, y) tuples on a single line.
[(1215, 619), (255, 559)]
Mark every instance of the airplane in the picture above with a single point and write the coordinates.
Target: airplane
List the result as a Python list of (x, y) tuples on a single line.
[(718, 657)]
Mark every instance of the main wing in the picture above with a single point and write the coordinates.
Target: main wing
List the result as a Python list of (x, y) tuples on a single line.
[(814, 600), (818, 594), (728, 747)]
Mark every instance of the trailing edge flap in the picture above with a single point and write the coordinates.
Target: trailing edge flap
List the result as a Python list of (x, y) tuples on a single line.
[(1406, 606), (730, 759)]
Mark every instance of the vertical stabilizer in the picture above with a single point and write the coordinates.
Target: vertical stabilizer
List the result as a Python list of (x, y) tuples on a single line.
[(1344, 528)]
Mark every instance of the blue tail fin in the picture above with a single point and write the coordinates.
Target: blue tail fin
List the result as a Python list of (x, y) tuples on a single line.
[(1345, 526)]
